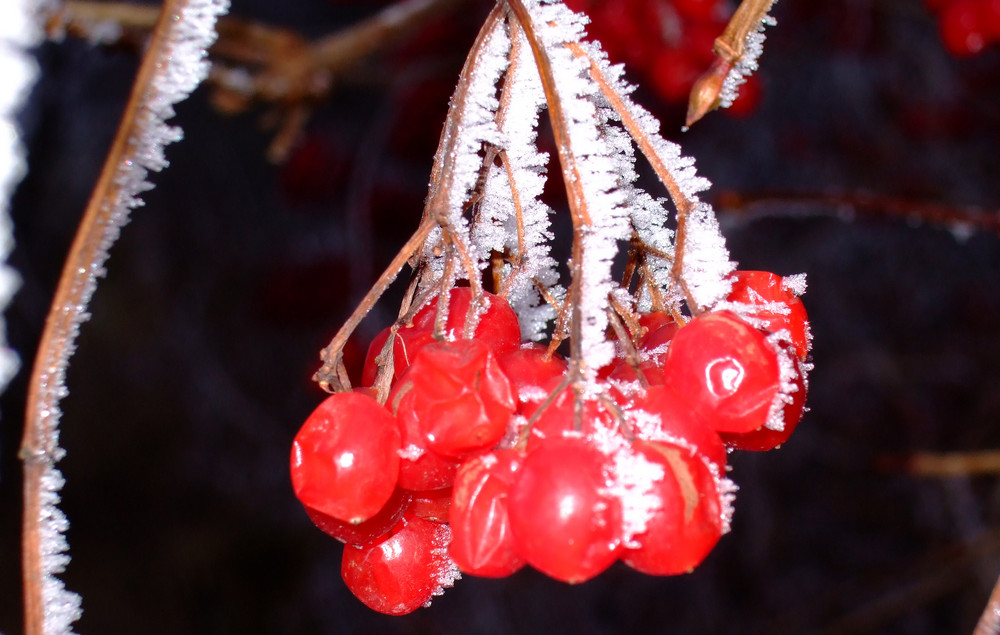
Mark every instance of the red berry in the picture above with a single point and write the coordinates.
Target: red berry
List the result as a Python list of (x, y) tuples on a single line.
[(419, 468), (345, 458), (498, 330), (765, 438), (659, 414), (370, 369), (404, 570), (961, 29), (434, 505), (772, 306), (726, 371), (482, 543), (565, 521), (989, 19), (559, 419), (655, 320), (531, 372), (750, 94), (461, 400), (687, 519), (370, 529), (624, 374)]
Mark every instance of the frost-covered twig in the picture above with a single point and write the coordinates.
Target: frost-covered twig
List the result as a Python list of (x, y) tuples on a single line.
[(736, 51), (174, 64)]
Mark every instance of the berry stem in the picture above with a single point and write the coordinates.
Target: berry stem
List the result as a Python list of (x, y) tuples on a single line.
[(328, 376)]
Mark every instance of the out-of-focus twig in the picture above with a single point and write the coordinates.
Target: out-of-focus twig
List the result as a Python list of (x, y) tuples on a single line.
[(259, 63), (946, 464), (960, 220)]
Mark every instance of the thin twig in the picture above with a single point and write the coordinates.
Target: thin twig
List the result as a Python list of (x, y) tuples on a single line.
[(730, 47), (959, 218), (949, 463), (140, 136), (327, 376), (682, 203)]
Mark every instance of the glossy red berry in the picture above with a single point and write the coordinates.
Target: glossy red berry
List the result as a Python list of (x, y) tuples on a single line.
[(498, 329), (345, 458), (367, 531), (726, 371), (766, 438), (403, 570), (531, 372), (419, 468), (461, 400), (482, 542), (772, 306), (625, 379), (687, 519), (564, 520)]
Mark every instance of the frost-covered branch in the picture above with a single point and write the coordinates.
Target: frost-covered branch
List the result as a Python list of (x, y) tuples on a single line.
[(174, 64)]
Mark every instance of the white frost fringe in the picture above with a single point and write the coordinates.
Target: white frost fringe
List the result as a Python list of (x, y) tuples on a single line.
[(180, 71)]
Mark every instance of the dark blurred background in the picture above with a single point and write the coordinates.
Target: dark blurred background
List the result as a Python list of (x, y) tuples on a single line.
[(193, 374)]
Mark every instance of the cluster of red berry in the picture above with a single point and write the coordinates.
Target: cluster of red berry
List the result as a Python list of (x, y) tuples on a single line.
[(668, 42), (967, 26), (488, 456)]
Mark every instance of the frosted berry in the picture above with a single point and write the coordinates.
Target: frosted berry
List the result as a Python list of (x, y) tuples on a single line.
[(345, 458), (765, 438), (687, 519), (659, 414), (726, 370), (565, 522), (403, 570), (772, 306), (482, 542), (559, 419)]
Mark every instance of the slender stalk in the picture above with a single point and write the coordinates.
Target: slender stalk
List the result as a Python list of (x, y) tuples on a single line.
[(327, 376), (121, 180)]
